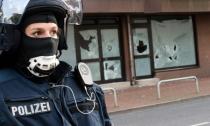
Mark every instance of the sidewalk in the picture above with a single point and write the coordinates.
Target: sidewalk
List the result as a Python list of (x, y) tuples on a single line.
[(138, 97)]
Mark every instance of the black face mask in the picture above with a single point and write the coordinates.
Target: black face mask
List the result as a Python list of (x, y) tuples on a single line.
[(38, 55), (33, 47)]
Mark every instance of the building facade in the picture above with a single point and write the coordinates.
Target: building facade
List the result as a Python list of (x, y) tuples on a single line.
[(131, 40)]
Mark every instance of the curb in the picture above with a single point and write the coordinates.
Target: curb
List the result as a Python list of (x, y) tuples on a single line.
[(158, 104)]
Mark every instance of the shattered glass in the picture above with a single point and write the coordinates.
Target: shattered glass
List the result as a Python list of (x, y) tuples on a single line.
[(110, 43), (112, 69), (88, 41), (95, 70), (140, 41), (143, 67), (173, 43), (89, 49)]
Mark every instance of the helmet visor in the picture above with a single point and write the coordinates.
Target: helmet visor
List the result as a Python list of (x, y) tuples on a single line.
[(74, 11), (11, 11)]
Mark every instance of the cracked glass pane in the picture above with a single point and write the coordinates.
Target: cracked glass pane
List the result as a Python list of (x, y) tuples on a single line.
[(110, 43), (88, 41), (140, 41), (173, 43), (142, 66), (95, 70), (112, 69)]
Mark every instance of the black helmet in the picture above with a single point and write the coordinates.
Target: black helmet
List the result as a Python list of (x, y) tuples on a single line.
[(57, 7), (65, 11), (12, 12)]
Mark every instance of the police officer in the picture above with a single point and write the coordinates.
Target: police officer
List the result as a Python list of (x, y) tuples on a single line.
[(36, 89)]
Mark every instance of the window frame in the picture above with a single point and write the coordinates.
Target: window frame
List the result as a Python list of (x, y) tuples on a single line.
[(98, 27), (163, 17), (196, 65), (150, 55)]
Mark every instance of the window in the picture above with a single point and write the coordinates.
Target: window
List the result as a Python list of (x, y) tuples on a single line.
[(173, 42), (142, 48), (162, 43), (98, 45)]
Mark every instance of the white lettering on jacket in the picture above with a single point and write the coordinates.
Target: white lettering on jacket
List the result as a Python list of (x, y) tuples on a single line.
[(30, 109)]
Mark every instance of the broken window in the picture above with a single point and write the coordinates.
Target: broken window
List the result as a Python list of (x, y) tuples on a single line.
[(112, 69), (173, 43), (140, 41), (141, 49), (143, 66), (110, 42), (95, 70), (88, 42), (98, 45)]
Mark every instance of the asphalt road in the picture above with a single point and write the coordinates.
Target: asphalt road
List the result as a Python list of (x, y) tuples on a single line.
[(193, 112)]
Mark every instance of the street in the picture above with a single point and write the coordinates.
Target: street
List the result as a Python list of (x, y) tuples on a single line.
[(193, 112)]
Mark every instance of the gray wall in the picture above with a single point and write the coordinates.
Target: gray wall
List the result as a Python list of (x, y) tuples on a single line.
[(70, 55)]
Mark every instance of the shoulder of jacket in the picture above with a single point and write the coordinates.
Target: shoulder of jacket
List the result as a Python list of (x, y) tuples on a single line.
[(98, 88), (7, 74), (70, 74)]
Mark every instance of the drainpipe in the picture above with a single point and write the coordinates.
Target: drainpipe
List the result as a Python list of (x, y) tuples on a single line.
[(132, 68)]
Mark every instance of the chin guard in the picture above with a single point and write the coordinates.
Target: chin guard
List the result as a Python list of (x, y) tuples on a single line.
[(84, 75)]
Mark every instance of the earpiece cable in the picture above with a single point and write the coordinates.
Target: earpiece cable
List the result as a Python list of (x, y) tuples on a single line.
[(89, 99)]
